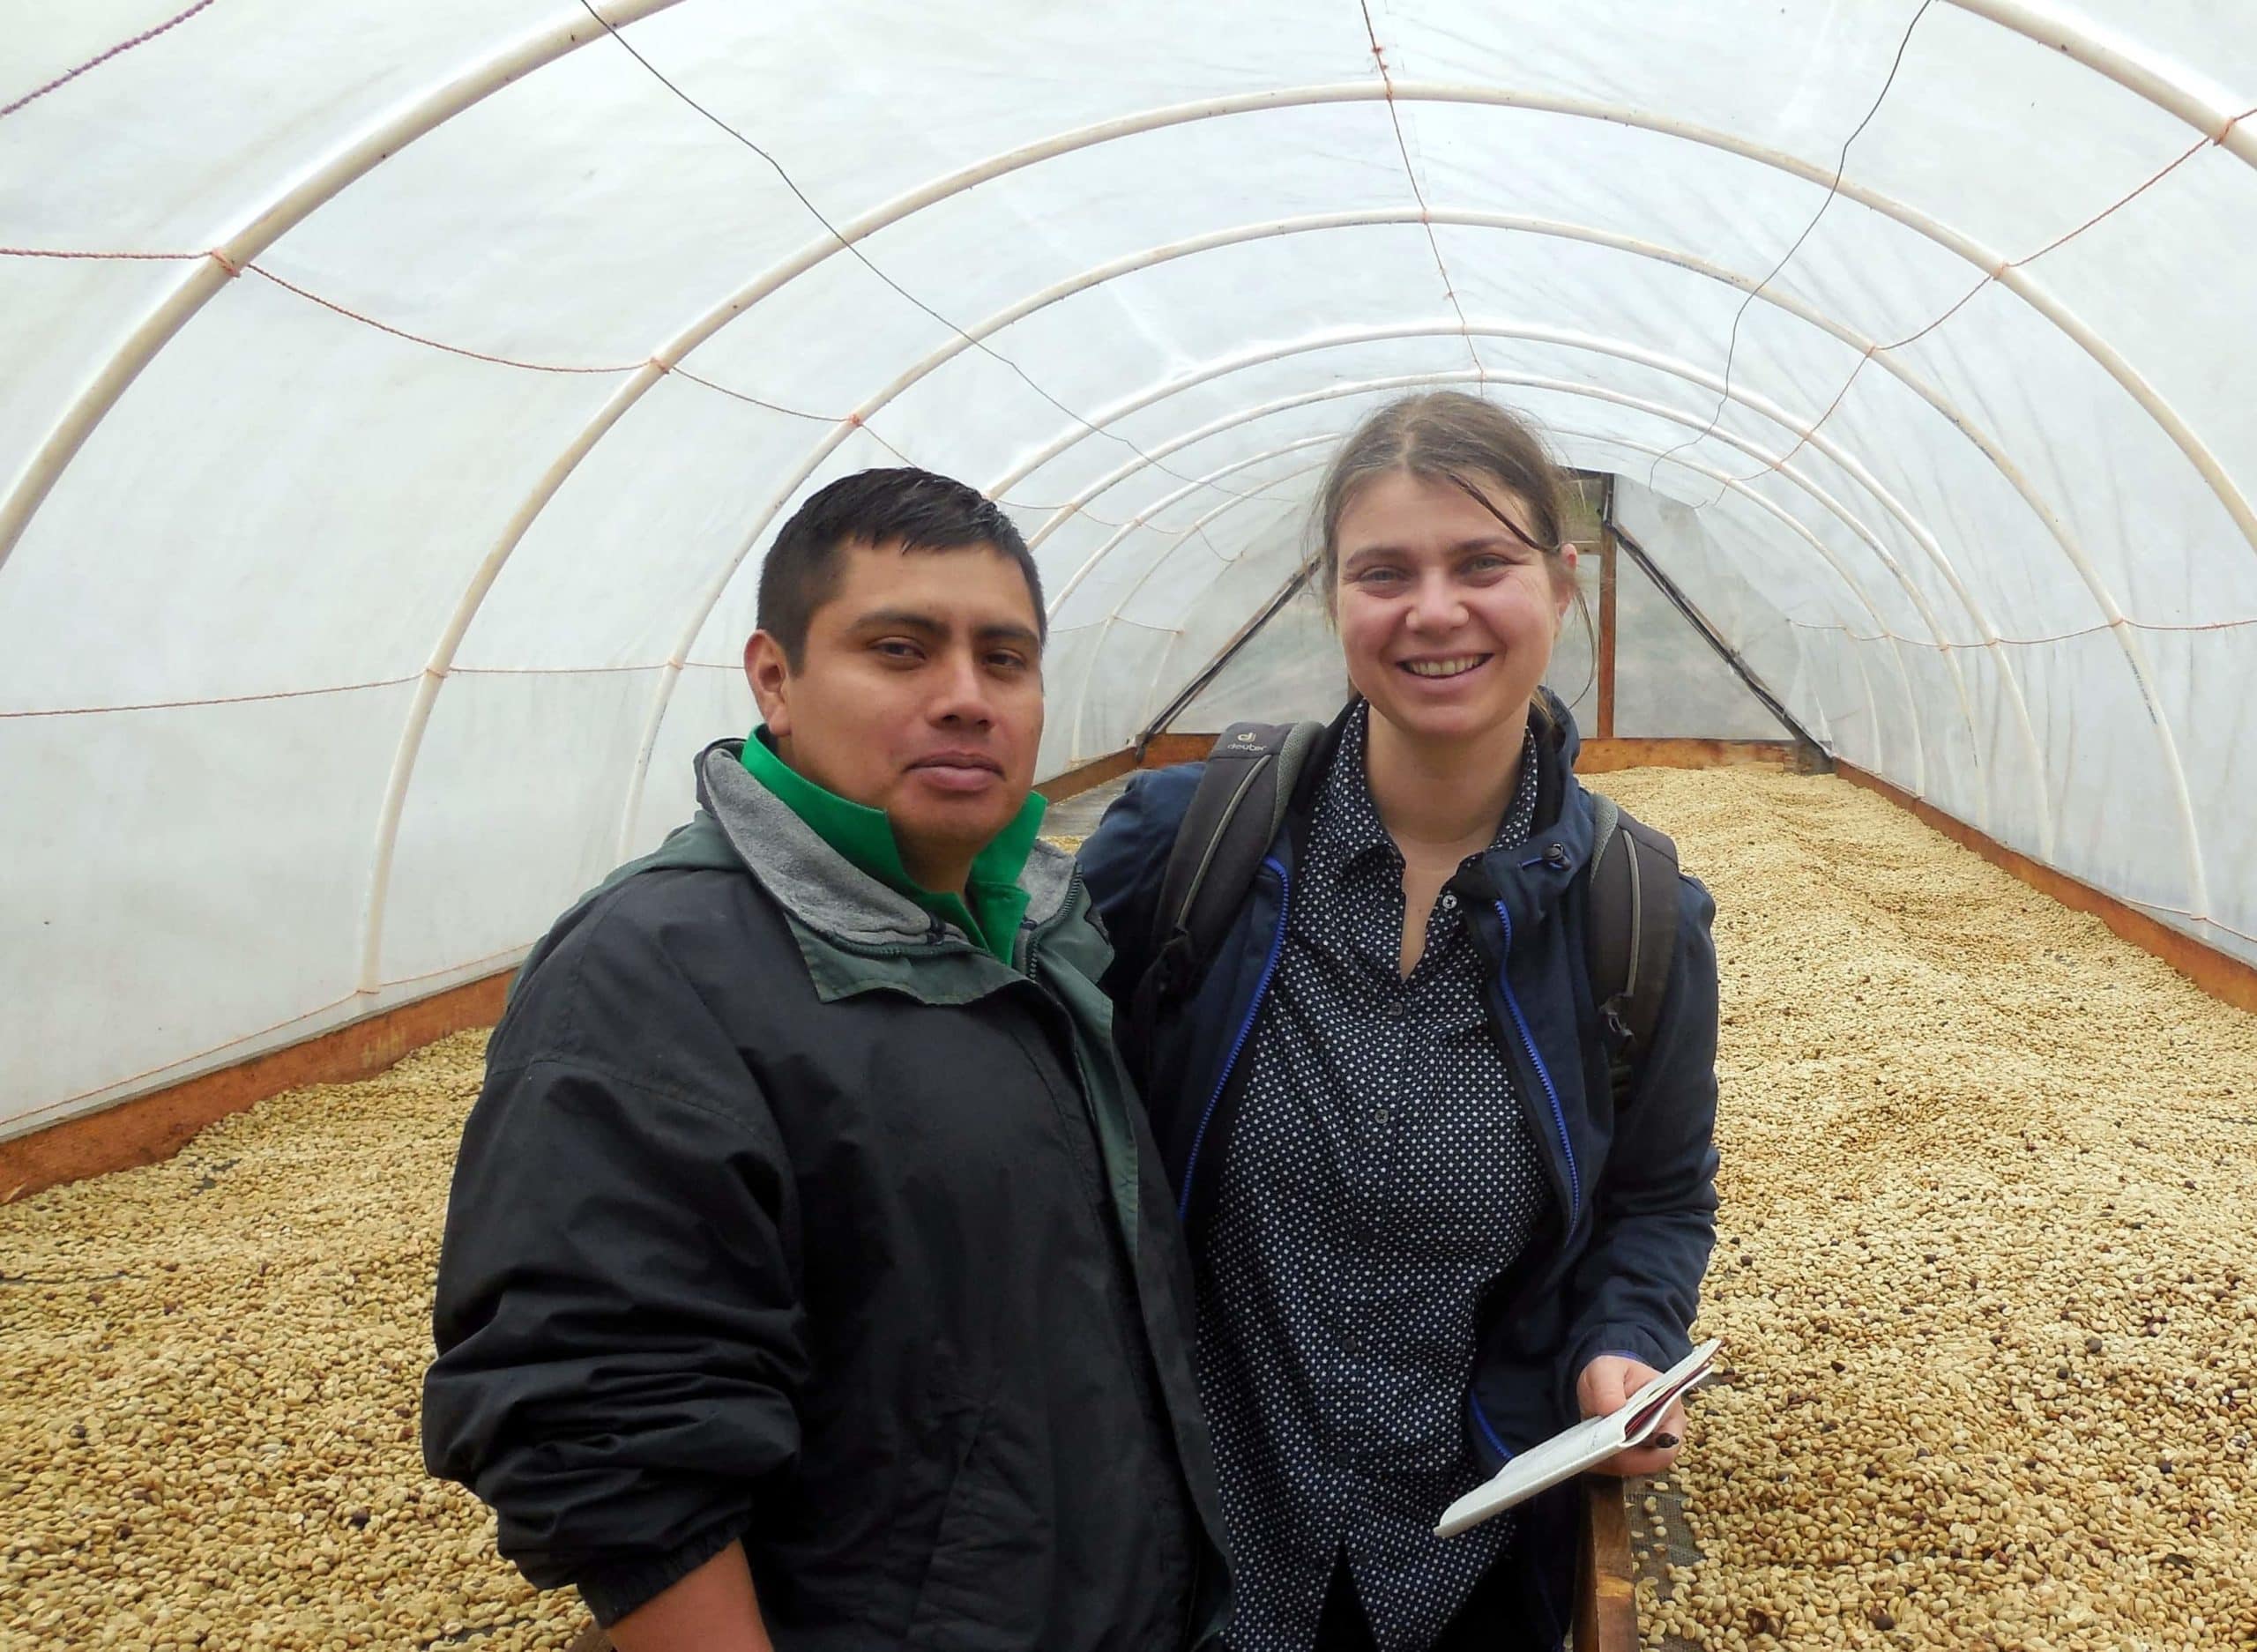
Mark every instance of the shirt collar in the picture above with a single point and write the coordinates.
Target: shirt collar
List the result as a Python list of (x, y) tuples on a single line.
[(1346, 822)]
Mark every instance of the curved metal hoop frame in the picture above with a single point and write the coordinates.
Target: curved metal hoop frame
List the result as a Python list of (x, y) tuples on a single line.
[(1466, 375), (2167, 86), (1732, 486)]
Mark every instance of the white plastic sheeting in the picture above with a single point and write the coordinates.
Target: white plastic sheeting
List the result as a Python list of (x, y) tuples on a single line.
[(373, 555)]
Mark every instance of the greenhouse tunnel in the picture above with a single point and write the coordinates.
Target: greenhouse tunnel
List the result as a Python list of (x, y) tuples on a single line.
[(400, 400)]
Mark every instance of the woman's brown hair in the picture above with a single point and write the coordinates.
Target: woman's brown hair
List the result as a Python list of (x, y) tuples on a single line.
[(1446, 436)]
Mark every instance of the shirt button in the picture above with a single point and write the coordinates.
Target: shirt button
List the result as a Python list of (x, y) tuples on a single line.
[(1449, 902), (1394, 1010), (1380, 1116)]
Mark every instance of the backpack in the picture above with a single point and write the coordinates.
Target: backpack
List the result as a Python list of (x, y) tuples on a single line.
[(1235, 816)]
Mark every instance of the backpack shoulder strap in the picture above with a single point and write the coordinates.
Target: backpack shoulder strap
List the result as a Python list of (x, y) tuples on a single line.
[(1233, 820), (1632, 931)]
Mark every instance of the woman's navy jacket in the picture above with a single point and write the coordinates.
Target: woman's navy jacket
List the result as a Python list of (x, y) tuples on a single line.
[(1615, 1265)]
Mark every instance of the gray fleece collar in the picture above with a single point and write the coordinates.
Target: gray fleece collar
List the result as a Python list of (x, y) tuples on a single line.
[(820, 887)]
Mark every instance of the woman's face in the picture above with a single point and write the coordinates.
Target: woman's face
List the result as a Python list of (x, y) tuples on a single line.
[(1447, 616)]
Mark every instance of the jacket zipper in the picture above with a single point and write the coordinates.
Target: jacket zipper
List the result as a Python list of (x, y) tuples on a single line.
[(1528, 1043), (1034, 933), (1261, 990), (1481, 1420)]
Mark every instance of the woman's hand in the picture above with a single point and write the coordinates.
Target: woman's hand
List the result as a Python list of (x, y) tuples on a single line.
[(1604, 1385)]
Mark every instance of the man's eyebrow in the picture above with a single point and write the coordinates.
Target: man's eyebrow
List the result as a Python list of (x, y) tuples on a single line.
[(911, 619), (898, 619)]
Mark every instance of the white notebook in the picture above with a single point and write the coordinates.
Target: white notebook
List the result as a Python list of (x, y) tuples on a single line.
[(1590, 1443)]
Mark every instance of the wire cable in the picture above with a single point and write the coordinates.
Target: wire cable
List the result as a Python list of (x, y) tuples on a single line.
[(863, 259), (1419, 193), (65, 79), (1834, 188)]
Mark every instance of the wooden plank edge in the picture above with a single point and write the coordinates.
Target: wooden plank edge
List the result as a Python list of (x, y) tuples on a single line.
[(2217, 973), (1159, 751), (1606, 756), (145, 1128), (1597, 756), (1606, 1599), (1088, 777)]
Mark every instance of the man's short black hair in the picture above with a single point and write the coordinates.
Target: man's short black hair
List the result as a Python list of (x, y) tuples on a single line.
[(917, 509)]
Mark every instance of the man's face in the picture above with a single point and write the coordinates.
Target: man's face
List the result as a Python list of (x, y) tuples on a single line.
[(919, 693)]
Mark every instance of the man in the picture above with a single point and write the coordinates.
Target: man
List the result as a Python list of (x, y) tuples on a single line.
[(810, 1279)]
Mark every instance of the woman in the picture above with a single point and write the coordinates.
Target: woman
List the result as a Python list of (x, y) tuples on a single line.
[(1423, 1240)]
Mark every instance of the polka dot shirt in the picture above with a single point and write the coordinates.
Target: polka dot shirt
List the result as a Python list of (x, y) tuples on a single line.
[(1379, 1177)]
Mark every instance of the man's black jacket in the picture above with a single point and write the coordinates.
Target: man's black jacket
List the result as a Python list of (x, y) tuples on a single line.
[(788, 1214)]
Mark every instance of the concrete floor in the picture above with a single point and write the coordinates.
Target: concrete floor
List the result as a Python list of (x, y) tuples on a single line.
[(1077, 817)]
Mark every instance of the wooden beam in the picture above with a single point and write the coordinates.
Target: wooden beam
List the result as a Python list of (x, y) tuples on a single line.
[(1605, 756), (2221, 976), (1165, 750), (1597, 756), (1088, 777), (146, 1129), (1606, 1599)]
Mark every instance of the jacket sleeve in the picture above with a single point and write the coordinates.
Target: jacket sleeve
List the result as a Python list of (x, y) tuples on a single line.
[(617, 1321), (1124, 860), (1637, 1285)]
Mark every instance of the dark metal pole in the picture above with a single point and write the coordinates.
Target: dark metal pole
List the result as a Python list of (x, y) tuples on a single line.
[(1606, 560), (1814, 754), (1207, 674)]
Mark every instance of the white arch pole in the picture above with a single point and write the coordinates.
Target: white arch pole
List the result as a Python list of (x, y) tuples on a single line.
[(1145, 706), (1105, 626), (1160, 670), (711, 597), (630, 392), (1775, 462), (2079, 559), (2160, 84), (1332, 392), (1732, 485), (343, 166), (1205, 479), (2018, 281), (2172, 88)]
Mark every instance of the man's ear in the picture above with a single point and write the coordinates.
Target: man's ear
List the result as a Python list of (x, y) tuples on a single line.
[(769, 673)]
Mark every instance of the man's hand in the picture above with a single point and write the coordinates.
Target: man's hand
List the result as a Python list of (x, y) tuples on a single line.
[(1604, 1384), (712, 1609)]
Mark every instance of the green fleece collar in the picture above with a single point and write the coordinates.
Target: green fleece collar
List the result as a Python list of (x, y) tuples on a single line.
[(994, 905)]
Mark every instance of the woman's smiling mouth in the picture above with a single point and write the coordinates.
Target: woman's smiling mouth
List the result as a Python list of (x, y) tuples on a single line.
[(1449, 665)]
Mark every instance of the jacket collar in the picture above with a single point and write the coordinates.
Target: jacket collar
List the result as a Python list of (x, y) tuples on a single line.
[(992, 904), (819, 887), (1529, 880), (1562, 741)]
